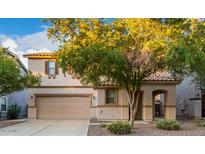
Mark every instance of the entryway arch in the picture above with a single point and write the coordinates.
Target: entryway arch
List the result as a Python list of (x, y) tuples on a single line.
[(159, 101)]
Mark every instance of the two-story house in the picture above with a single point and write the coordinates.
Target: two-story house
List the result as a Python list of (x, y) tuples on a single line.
[(19, 97), (61, 96)]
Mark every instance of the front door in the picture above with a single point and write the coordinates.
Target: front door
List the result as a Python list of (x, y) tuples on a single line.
[(203, 104)]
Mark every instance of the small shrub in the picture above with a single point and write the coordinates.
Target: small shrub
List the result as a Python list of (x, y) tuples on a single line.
[(168, 125), (13, 111), (119, 127)]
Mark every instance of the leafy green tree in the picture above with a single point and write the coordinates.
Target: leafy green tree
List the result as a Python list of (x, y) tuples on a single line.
[(11, 79), (186, 56), (123, 52), (126, 51)]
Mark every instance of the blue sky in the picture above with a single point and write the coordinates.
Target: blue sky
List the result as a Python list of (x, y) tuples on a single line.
[(24, 26), (21, 26), (25, 35)]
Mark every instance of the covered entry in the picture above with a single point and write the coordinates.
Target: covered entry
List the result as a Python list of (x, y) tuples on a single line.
[(63, 107), (159, 101)]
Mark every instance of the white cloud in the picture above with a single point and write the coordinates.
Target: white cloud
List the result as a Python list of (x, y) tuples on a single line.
[(45, 27), (2, 38), (36, 42), (11, 44)]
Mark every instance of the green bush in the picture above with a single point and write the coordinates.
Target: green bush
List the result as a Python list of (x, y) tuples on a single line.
[(119, 127), (168, 124), (13, 111)]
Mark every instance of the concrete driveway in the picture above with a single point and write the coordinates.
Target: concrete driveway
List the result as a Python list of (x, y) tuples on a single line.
[(49, 127)]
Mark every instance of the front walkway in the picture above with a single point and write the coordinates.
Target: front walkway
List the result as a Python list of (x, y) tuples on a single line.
[(47, 128)]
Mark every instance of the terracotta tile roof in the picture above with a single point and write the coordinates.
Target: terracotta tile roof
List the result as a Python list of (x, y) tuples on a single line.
[(161, 76), (157, 77), (40, 54), (107, 83)]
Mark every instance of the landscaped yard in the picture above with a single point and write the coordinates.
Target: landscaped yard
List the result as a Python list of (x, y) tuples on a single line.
[(189, 128)]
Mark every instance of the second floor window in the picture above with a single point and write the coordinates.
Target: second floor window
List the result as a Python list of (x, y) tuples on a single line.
[(51, 68)]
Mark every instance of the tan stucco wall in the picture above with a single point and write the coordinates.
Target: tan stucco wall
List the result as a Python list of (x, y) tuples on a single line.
[(37, 91), (170, 100), (121, 94), (101, 96), (170, 113), (93, 112), (32, 112), (116, 112), (99, 109), (119, 111), (38, 66), (112, 113)]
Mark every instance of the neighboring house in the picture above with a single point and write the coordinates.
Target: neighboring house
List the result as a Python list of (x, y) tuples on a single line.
[(19, 98), (190, 100), (63, 97)]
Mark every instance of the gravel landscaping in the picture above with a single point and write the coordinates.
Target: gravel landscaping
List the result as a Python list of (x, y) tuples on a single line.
[(6, 123), (189, 128)]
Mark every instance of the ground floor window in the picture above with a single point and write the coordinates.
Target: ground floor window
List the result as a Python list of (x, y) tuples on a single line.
[(3, 104), (111, 96)]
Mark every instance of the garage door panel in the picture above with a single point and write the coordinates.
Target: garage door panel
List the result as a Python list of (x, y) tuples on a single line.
[(64, 99), (63, 107)]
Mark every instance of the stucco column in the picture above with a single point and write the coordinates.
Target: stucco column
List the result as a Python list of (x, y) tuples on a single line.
[(170, 112), (32, 111), (170, 104), (197, 109), (147, 111)]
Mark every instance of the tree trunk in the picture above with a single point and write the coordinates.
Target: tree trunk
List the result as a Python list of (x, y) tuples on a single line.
[(132, 120), (133, 100)]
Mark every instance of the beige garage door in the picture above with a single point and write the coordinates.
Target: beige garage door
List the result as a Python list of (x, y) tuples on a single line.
[(63, 107)]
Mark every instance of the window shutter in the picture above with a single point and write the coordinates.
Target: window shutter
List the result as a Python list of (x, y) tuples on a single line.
[(56, 68), (46, 67)]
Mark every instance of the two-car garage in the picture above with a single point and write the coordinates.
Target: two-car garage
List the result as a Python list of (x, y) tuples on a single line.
[(63, 107)]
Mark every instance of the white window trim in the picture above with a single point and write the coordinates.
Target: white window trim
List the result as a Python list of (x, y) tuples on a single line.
[(52, 68), (4, 97)]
